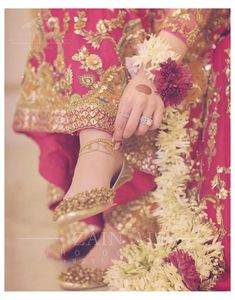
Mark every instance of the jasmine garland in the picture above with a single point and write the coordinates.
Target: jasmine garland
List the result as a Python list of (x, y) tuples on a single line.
[(186, 239)]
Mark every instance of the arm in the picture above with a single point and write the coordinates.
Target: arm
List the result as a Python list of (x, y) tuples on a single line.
[(175, 42), (178, 33), (181, 28)]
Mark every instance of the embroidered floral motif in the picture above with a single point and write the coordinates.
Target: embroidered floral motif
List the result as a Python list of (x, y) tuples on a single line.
[(104, 28), (47, 102), (88, 61), (86, 80), (222, 194), (211, 114), (80, 22), (101, 27), (212, 127), (228, 88)]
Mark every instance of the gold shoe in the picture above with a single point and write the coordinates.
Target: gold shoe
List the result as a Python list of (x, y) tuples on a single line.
[(70, 236), (96, 200), (79, 278)]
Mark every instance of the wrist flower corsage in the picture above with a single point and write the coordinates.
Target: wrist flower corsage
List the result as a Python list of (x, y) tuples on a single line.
[(156, 57), (172, 81)]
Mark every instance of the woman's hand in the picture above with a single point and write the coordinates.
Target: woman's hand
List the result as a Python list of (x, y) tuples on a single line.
[(138, 100)]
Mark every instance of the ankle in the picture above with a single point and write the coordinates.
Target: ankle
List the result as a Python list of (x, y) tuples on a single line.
[(97, 141), (87, 135), (101, 162)]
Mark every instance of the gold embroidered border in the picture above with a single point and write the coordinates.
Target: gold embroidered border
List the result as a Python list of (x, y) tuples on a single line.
[(42, 108), (61, 121)]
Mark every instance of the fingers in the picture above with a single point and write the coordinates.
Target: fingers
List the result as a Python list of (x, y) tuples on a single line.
[(158, 115), (148, 112), (129, 114), (132, 122), (124, 109)]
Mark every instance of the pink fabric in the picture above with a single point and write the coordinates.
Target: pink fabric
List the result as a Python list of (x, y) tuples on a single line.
[(58, 152), (222, 157), (73, 42)]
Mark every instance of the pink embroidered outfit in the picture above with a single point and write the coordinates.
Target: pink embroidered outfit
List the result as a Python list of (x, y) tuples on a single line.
[(74, 78)]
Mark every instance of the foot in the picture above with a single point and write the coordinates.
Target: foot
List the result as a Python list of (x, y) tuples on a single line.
[(70, 236), (106, 250), (95, 169)]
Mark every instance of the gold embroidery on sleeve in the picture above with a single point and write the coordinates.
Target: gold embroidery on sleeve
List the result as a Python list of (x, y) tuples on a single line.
[(187, 22)]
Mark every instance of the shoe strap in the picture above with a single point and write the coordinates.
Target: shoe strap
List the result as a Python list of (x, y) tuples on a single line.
[(101, 145)]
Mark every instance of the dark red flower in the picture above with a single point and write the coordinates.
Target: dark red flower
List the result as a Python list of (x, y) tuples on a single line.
[(186, 267), (172, 81)]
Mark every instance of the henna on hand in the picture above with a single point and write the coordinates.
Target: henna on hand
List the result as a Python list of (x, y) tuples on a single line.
[(143, 88)]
